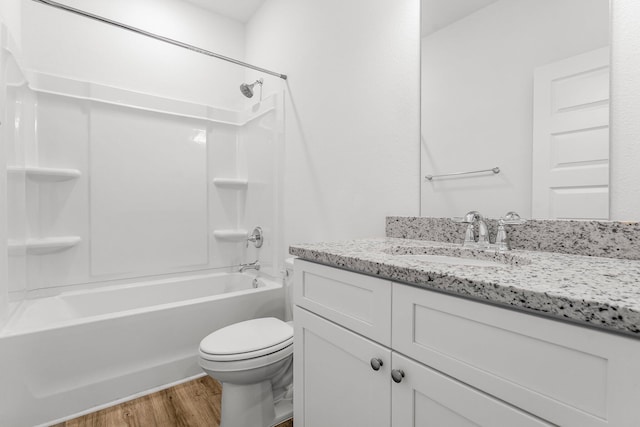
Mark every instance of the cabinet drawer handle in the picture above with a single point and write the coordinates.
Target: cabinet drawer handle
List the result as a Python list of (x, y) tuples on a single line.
[(376, 363), (397, 375)]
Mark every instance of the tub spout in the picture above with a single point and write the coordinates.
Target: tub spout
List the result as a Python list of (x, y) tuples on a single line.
[(250, 266)]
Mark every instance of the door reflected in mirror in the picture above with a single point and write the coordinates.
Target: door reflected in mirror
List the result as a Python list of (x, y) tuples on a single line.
[(521, 85)]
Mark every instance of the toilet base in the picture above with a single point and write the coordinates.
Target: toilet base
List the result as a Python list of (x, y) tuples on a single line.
[(247, 405), (284, 411)]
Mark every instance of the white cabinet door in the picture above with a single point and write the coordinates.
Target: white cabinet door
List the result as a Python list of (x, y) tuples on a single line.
[(571, 138), (426, 398), (334, 383)]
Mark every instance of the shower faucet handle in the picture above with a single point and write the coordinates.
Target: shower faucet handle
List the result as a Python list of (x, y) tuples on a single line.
[(256, 237)]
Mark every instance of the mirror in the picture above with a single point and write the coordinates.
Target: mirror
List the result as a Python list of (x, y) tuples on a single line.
[(519, 85)]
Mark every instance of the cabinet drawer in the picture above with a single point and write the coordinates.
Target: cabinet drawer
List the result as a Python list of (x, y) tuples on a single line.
[(355, 301), (571, 375)]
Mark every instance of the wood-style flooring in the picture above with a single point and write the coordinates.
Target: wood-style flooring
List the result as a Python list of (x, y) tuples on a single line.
[(192, 404)]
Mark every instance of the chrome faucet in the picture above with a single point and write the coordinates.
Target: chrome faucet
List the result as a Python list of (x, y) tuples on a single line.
[(472, 218), (255, 265)]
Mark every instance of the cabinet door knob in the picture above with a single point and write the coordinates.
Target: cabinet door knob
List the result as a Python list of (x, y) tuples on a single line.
[(397, 375), (376, 363)]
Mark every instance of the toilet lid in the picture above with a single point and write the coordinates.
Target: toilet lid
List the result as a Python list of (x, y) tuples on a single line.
[(248, 339)]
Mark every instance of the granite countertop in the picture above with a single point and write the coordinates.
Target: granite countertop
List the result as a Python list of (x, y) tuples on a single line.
[(602, 292)]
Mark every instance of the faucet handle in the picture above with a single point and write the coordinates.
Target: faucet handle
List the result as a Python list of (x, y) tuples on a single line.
[(256, 237), (458, 219), (502, 241), (469, 218), (469, 237), (512, 218)]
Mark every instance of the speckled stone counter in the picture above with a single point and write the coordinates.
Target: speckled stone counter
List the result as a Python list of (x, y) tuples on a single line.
[(612, 239), (601, 292)]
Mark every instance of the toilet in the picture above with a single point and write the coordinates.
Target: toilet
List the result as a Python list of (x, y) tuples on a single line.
[(254, 362)]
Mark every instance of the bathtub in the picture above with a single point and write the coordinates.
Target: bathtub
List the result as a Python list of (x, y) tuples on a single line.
[(69, 354)]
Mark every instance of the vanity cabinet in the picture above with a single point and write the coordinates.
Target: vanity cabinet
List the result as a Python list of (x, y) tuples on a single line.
[(465, 363)]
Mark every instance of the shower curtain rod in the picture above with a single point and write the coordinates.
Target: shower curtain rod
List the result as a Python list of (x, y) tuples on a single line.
[(156, 36)]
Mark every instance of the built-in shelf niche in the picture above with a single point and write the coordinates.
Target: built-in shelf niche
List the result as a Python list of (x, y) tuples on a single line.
[(44, 245), (232, 183), (45, 174), (231, 235), (41, 246)]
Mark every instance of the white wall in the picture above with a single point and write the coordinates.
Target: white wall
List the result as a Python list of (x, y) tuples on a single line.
[(352, 103), (65, 44), (625, 110), (10, 13), (477, 94)]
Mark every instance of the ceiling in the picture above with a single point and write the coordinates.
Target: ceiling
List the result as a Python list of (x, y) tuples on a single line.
[(240, 10), (437, 14)]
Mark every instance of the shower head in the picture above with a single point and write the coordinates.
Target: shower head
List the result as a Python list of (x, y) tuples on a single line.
[(247, 89)]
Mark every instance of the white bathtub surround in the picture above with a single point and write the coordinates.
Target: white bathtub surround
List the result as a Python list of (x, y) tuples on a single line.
[(45, 174), (41, 245), (4, 294), (184, 170), (593, 291), (80, 350), (612, 239)]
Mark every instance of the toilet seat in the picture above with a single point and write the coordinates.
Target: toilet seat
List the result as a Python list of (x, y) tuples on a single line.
[(248, 340), (243, 364)]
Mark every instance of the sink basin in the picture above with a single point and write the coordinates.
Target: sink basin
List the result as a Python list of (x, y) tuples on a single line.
[(456, 255), (453, 260)]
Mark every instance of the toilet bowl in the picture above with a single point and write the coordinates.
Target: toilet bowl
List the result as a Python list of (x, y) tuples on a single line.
[(254, 362)]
